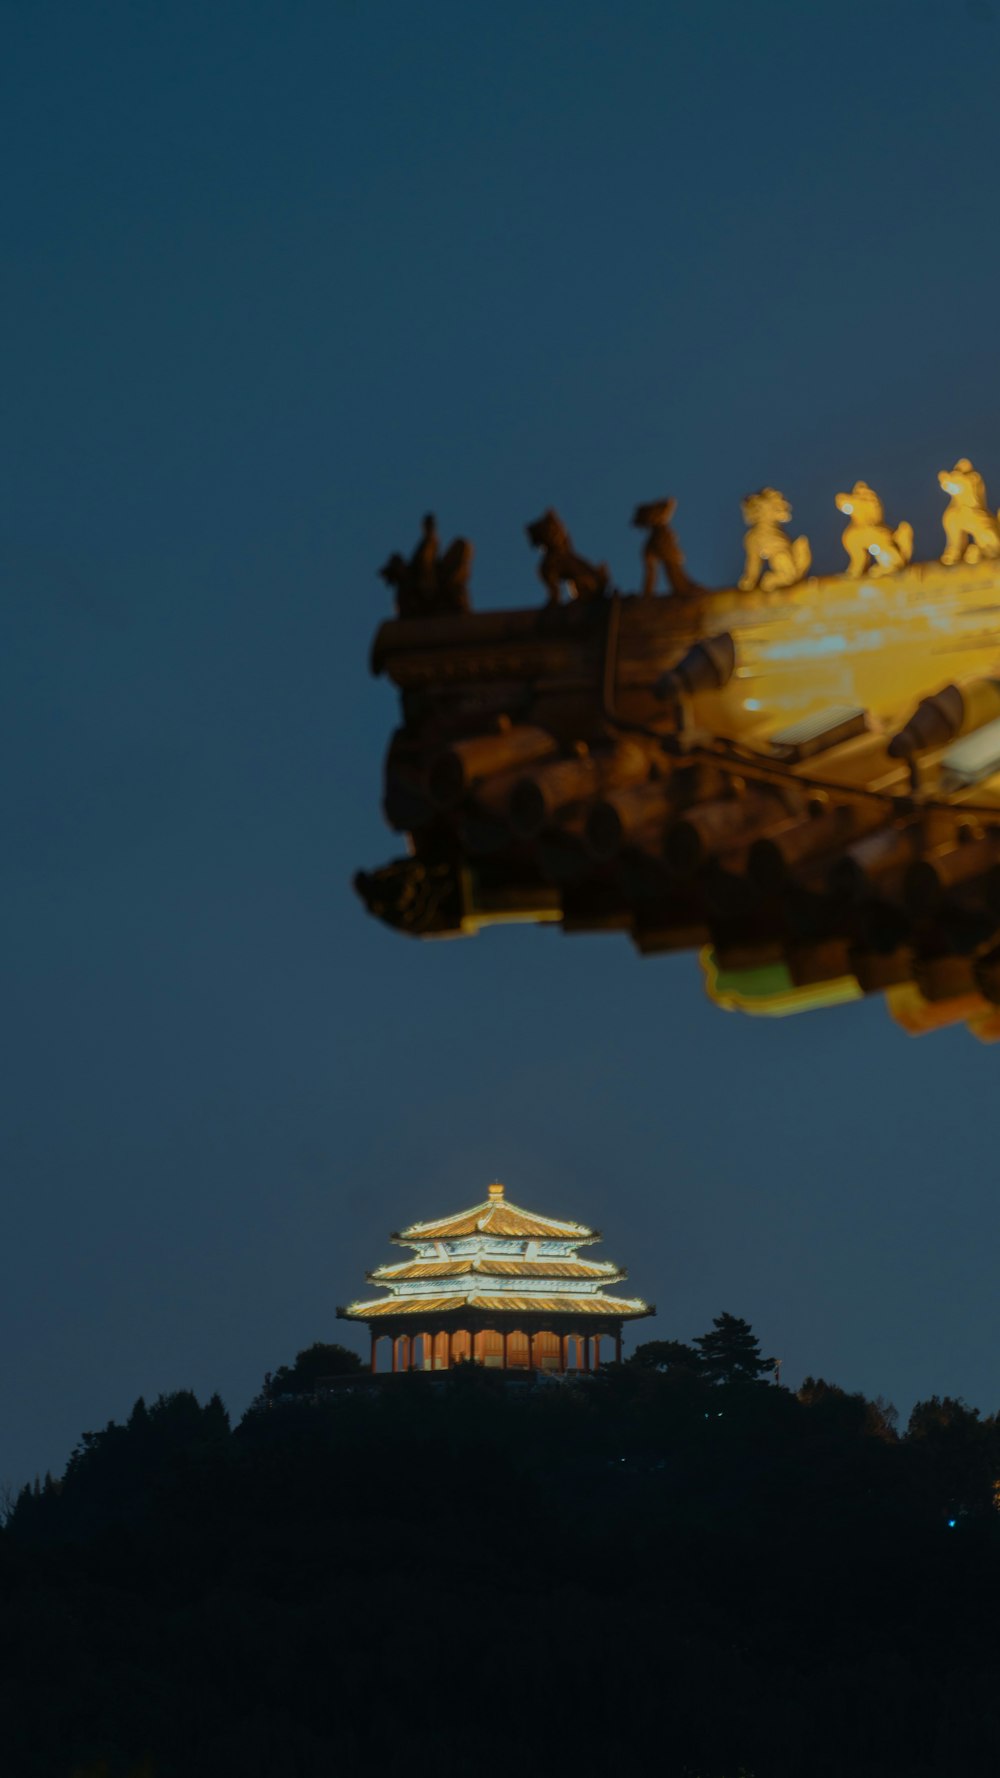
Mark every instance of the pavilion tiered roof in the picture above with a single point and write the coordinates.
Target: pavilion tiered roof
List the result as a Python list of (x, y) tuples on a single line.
[(500, 1261)]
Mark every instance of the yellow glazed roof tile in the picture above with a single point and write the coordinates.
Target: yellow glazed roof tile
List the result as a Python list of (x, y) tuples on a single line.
[(489, 1265), (559, 1305), (506, 1305), (548, 1268), (495, 1217)]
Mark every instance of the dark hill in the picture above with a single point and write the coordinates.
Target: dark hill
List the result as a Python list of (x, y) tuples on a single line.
[(458, 1576)]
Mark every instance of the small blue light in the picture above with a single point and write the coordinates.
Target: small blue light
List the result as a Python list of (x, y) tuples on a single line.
[(952, 1523)]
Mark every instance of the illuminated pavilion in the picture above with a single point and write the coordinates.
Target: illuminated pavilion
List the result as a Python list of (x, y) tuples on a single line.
[(499, 1285)]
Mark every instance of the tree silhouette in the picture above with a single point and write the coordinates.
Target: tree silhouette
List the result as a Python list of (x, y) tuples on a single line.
[(960, 1453), (665, 1355), (730, 1352), (313, 1363)]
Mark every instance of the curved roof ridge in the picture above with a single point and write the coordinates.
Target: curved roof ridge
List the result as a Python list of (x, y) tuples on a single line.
[(497, 1216)]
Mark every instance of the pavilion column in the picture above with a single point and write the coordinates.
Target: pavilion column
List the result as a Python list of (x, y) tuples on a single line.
[(374, 1352), (563, 1344), (407, 1352), (618, 1346), (451, 1348), (395, 1353), (586, 1352), (597, 1352), (505, 1336), (531, 1352)]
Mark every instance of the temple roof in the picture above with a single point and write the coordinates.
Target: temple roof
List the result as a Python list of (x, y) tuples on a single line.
[(506, 1305), (496, 1266), (495, 1217), (497, 1270)]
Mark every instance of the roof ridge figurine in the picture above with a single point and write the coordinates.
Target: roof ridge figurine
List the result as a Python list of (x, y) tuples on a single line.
[(871, 546), (561, 566), (661, 548), (430, 582), (787, 560), (972, 532)]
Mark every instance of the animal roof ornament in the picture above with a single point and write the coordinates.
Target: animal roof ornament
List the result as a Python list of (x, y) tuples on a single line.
[(796, 776)]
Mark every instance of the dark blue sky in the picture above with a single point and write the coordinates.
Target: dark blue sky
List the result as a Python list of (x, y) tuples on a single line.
[(278, 278)]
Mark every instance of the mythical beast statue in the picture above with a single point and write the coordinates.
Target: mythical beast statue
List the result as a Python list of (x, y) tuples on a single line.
[(788, 560), (661, 548), (871, 547), (560, 565), (972, 533)]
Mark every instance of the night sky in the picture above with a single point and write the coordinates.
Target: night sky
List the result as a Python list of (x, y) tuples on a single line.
[(277, 279)]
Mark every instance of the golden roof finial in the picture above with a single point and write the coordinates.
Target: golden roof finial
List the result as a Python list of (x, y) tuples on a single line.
[(496, 1192)]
